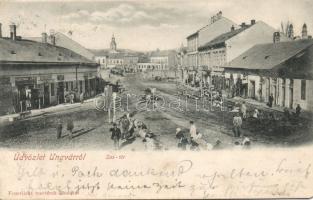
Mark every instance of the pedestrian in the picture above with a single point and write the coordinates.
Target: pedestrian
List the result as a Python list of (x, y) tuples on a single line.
[(243, 110), (270, 100), (256, 114), (237, 122), (286, 114), (193, 130), (72, 98), (183, 141), (124, 126), (59, 128), (70, 127), (298, 110), (116, 136), (81, 97)]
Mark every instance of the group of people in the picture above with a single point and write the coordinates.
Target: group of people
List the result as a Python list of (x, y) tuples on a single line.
[(192, 139), (70, 97), (126, 130)]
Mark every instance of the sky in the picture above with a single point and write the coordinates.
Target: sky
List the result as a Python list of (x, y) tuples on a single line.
[(144, 25)]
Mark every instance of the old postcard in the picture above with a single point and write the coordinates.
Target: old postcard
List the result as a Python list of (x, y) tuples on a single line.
[(169, 99)]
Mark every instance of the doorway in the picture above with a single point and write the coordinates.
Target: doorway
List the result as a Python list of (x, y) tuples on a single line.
[(46, 95), (60, 92), (252, 89)]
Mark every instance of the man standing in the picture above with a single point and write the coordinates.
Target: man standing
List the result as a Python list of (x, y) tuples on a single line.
[(237, 122), (81, 97), (243, 110), (193, 130), (298, 110), (59, 128), (270, 100), (116, 135)]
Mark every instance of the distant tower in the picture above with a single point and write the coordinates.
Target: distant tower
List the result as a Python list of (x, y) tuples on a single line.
[(290, 32), (304, 31), (113, 43)]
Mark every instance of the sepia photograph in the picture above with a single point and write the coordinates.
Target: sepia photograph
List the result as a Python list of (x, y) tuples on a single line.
[(199, 78)]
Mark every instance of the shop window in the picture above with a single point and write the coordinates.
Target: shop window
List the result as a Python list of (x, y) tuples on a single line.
[(303, 89), (52, 89)]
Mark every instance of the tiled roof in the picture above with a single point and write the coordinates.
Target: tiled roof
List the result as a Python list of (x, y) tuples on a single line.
[(66, 42), (268, 56), (31, 51), (193, 34), (222, 38)]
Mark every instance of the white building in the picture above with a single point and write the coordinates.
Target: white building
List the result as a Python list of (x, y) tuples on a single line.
[(284, 69)]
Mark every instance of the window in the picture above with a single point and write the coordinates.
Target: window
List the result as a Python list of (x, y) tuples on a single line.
[(303, 89), (52, 89), (66, 86)]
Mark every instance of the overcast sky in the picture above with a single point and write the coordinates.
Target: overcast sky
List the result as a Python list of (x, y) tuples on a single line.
[(144, 25)]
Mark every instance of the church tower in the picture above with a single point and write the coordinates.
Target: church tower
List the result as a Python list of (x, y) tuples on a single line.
[(304, 31), (113, 44)]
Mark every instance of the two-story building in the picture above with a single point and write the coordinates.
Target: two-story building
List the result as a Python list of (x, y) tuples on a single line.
[(166, 59), (217, 26), (225, 47)]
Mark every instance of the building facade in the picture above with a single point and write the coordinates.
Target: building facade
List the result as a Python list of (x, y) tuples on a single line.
[(228, 46), (166, 59), (217, 26), (283, 69), (38, 74)]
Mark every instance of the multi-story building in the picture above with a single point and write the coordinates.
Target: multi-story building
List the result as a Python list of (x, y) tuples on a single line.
[(38, 74), (229, 45), (166, 58), (283, 69), (102, 60), (217, 26)]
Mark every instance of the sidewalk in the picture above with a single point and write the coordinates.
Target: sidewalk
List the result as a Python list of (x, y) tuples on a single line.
[(263, 106), (7, 119)]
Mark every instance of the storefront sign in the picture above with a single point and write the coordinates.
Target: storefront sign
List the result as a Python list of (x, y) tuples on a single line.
[(25, 80), (44, 79)]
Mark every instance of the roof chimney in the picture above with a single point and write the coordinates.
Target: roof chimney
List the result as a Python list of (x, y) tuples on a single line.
[(0, 30), (276, 37), (232, 28), (52, 39), (13, 31), (252, 21), (44, 37), (243, 24)]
